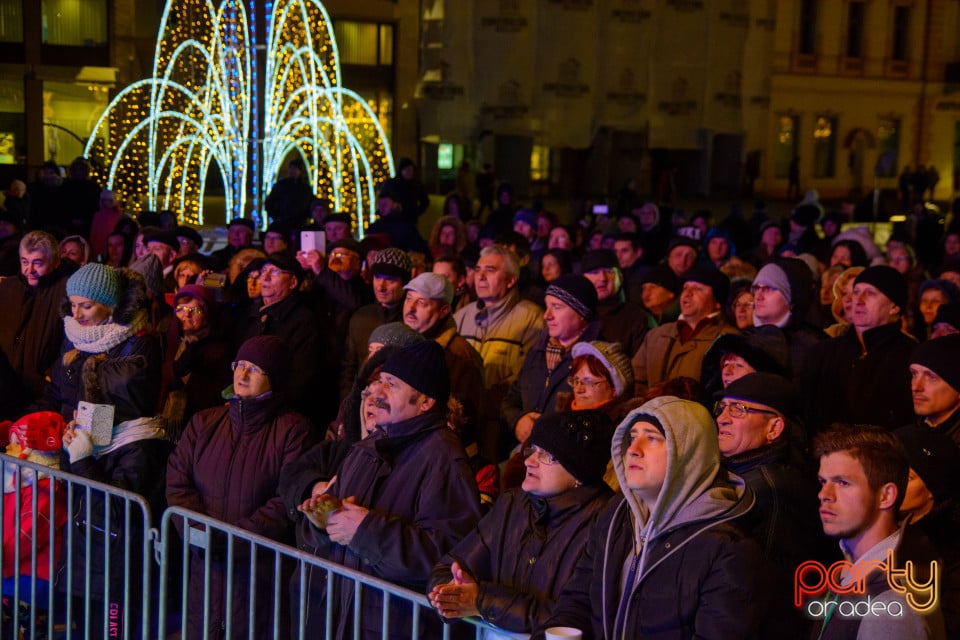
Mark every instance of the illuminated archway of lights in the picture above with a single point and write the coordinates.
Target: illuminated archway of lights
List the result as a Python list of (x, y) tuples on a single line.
[(159, 136)]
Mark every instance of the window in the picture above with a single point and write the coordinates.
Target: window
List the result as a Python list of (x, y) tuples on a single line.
[(785, 149), (11, 20), (901, 28), (855, 30), (364, 43), (807, 43), (888, 147), (12, 122), (74, 22), (540, 163), (825, 147), (71, 110)]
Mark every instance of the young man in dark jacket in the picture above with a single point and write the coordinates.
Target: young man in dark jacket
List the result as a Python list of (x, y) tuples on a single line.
[(665, 560)]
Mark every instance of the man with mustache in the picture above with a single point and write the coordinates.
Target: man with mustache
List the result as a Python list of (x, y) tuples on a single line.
[(408, 495)]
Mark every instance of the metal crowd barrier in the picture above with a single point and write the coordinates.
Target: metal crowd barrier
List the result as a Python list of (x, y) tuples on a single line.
[(96, 541), (93, 528)]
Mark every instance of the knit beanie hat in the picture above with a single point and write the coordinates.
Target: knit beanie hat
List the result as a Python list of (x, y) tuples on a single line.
[(422, 366), (526, 215), (271, 354), (770, 275), (934, 457), (614, 360), (711, 277), (599, 259), (149, 267), (949, 290), (576, 292), (941, 356), (888, 281), (97, 282), (39, 431), (394, 334), (767, 389), (392, 262), (663, 277), (579, 440)]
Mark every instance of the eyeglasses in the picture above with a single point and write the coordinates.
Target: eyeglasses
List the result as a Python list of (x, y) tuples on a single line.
[(243, 365), (273, 273), (340, 255), (762, 288), (738, 409), (190, 311), (543, 457), (589, 383)]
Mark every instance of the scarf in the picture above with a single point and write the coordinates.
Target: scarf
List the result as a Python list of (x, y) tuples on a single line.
[(134, 430), (555, 353), (102, 337)]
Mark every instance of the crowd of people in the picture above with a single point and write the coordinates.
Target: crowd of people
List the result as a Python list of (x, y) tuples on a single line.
[(639, 424)]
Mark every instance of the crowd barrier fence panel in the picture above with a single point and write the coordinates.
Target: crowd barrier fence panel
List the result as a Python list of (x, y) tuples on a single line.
[(105, 526), (81, 527)]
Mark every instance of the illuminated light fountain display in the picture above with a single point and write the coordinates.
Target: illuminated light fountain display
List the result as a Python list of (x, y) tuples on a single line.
[(203, 105)]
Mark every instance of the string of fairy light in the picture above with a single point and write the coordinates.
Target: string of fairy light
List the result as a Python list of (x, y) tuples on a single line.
[(201, 109)]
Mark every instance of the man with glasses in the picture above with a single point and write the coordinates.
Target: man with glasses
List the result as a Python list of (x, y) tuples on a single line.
[(756, 432), (286, 315), (782, 295)]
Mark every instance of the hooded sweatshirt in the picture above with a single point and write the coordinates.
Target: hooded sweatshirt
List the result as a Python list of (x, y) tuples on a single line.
[(676, 567)]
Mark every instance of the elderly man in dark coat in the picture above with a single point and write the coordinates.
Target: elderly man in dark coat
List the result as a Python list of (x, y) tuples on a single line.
[(405, 495)]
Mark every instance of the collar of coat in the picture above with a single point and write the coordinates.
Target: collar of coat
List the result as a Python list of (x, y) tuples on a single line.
[(396, 437)]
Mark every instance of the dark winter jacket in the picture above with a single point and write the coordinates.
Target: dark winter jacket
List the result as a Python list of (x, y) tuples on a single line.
[(291, 320), (414, 478), (31, 328), (624, 322), (534, 389), (843, 382), (227, 466), (523, 552), (679, 567)]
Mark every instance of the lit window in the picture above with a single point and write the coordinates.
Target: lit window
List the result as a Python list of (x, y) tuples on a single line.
[(71, 111), (11, 20), (12, 122), (75, 23), (785, 148), (364, 43), (824, 147), (540, 163)]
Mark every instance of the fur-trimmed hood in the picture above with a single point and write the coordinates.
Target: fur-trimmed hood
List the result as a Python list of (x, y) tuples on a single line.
[(131, 297)]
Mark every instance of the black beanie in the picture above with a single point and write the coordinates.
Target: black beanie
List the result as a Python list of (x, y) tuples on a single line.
[(271, 354), (576, 292), (888, 281), (663, 277), (599, 259), (934, 457), (422, 366), (718, 282), (940, 355), (579, 440)]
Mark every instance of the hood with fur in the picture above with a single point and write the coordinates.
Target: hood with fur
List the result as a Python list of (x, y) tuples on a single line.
[(694, 489)]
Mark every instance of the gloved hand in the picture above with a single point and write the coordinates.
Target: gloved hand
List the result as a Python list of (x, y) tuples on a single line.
[(80, 447)]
